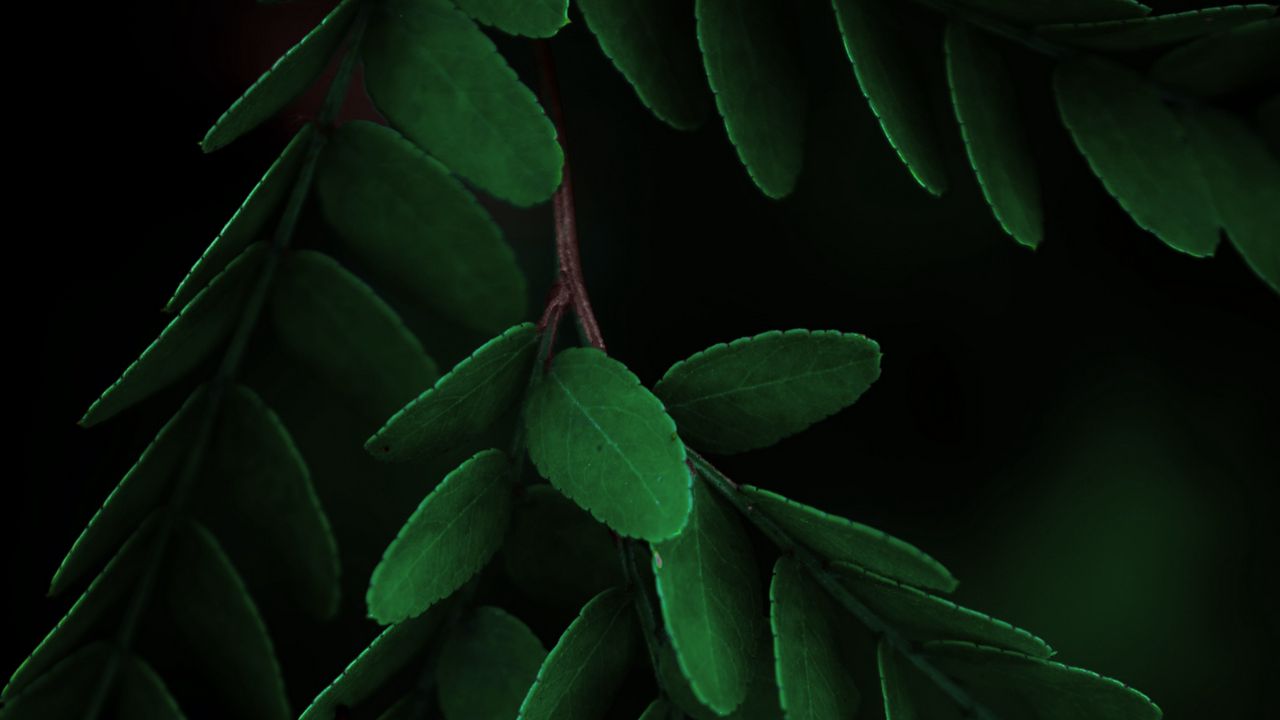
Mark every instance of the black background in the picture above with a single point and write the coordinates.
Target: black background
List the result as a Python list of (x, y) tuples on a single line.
[(1086, 433)]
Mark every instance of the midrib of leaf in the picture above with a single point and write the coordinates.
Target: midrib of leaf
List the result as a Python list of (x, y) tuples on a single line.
[(399, 583), (763, 384)]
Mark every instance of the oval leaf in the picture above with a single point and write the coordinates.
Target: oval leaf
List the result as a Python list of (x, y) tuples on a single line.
[(413, 225), (841, 540), (333, 321), (813, 683), (655, 47), (709, 589), (439, 80), (1033, 12), (451, 535), (464, 403), (1225, 62), (288, 78), (758, 86), (605, 442), (556, 553), (982, 95), (754, 391), (195, 332), (1156, 30), (588, 663), (1138, 150), (883, 64), (531, 18), (487, 665)]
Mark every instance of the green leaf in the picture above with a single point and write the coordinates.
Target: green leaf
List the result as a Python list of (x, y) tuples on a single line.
[(710, 594), (1230, 61), (762, 691), (439, 80), (464, 403), (451, 535), (250, 221), (391, 651), (333, 321), (219, 627), (923, 616), (998, 150), (1051, 690), (605, 442), (487, 665), (1156, 30), (588, 663), (255, 492), (200, 328), (753, 392), (1138, 150), (883, 66), (655, 47), (107, 590), (813, 683), (1035, 12), (142, 694), (841, 540), (759, 88), (908, 695), (1244, 182), (555, 553), (62, 693), (288, 78), (415, 227), (531, 18), (659, 710)]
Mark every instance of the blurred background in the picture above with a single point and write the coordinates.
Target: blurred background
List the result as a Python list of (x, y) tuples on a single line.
[(1087, 434)]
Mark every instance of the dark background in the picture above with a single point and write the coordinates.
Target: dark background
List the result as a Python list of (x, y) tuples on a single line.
[(1086, 434)]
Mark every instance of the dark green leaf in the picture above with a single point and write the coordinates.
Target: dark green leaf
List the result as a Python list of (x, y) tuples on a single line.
[(923, 616), (1034, 12), (487, 665), (417, 228), (758, 87), (813, 683), (464, 403), (556, 553), (1155, 30), (842, 540), (288, 78), (200, 328), (391, 651), (333, 321), (1051, 690), (250, 221), (590, 660), (1136, 147), (142, 694), (531, 18), (655, 47), (754, 391), (987, 110), (63, 692), (883, 66), (1233, 60), (1269, 123), (255, 492), (709, 590), (659, 710), (605, 442), (451, 535), (439, 80), (909, 695), (406, 708), (762, 692), (219, 627)]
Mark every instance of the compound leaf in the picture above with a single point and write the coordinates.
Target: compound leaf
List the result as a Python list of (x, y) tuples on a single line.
[(331, 320), (1035, 12), (605, 442), (655, 47), (580, 674), (1225, 62), (487, 665), (195, 332), (709, 590), (754, 391), (288, 78), (464, 403), (412, 224), (439, 80), (841, 540), (555, 553), (1136, 147), (758, 86), (451, 535), (813, 683), (531, 18), (883, 67), (987, 111), (1154, 30)]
